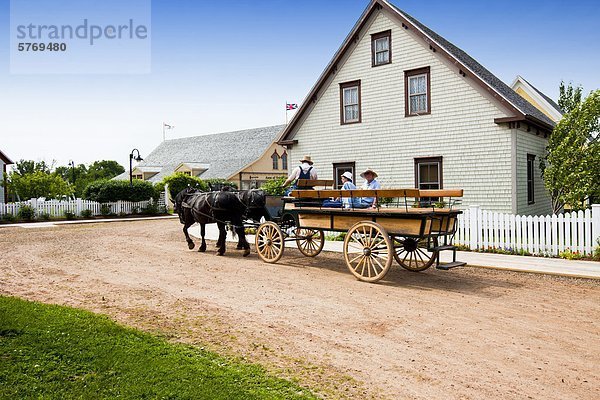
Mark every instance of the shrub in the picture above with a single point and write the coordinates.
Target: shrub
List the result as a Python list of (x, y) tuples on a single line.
[(70, 215), (179, 181), (26, 213), (86, 213), (274, 187), (44, 216), (8, 217), (571, 255), (218, 184), (150, 209), (596, 254), (105, 209), (122, 214), (106, 191)]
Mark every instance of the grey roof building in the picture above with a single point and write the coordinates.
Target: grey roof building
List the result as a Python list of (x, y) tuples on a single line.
[(222, 155)]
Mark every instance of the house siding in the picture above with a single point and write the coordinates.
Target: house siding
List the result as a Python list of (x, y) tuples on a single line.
[(529, 143), (476, 152)]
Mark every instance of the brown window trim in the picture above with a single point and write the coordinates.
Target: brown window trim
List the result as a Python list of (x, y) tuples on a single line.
[(380, 35), (419, 160), (408, 74), (342, 87), (275, 160), (347, 164), (531, 157)]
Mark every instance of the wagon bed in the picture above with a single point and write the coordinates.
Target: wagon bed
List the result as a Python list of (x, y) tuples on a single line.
[(412, 235)]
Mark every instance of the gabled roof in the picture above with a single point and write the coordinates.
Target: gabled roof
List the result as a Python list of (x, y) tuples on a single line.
[(225, 153), (469, 66), (5, 158), (194, 165), (544, 101)]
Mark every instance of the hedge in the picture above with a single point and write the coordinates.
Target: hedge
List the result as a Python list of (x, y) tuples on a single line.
[(107, 191), (179, 181)]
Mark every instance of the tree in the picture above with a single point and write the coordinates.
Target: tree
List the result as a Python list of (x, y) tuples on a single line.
[(569, 97), (105, 169), (24, 167), (571, 168), (38, 184)]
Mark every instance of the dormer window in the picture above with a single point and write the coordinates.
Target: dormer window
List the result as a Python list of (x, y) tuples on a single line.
[(381, 48)]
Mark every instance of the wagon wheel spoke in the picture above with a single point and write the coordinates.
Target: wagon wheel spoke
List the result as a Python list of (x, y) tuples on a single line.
[(366, 251), (411, 254), (269, 242)]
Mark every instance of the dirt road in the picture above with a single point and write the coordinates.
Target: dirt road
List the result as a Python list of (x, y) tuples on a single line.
[(464, 334)]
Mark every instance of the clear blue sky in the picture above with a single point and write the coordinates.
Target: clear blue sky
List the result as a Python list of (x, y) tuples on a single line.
[(225, 65)]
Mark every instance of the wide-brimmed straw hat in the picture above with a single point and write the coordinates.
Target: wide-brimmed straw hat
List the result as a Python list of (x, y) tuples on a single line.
[(347, 175), (362, 175), (307, 159)]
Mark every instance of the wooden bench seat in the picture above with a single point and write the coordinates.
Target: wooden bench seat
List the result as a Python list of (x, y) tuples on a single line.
[(314, 182)]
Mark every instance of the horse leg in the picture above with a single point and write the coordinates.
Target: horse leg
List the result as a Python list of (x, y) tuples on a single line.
[(202, 248), (188, 222), (241, 231), (222, 238)]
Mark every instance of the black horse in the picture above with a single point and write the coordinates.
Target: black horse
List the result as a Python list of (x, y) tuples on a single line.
[(213, 207)]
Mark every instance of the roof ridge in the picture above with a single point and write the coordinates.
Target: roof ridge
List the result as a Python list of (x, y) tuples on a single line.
[(229, 132)]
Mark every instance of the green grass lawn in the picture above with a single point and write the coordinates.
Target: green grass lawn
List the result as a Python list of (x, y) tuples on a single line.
[(52, 352)]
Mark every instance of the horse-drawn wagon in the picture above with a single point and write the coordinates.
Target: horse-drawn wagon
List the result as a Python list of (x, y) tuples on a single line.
[(413, 229)]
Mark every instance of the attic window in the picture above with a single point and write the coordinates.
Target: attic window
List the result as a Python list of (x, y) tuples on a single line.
[(381, 48), (275, 158)]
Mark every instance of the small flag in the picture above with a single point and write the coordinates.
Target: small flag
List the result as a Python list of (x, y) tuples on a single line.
[(289, 107), (167, 126)]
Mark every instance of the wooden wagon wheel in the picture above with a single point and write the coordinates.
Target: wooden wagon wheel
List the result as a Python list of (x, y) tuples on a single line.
[(412, 254), (310, 241), (368, 251), (269, 242)]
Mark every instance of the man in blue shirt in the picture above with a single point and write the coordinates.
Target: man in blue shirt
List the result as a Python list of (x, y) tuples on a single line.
[(370, 184)]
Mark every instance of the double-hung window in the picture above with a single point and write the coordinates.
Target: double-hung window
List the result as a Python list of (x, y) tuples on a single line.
[(350, 102), (530, 179), (417, 92), (381, 48)]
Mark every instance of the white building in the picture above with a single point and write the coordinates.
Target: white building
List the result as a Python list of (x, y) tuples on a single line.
[(399, 98), (4, 161)]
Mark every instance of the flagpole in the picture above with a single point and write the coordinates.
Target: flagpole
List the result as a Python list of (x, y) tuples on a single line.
[(286, 111), (163, 130)]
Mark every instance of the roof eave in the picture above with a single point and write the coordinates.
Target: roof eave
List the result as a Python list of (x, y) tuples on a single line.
[(529, 119), (5, 158)]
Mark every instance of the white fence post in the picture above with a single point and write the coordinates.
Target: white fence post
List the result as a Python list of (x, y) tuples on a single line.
[(474, 230), (595, 225)]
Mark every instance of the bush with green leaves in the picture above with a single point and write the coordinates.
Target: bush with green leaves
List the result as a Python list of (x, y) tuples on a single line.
[(26, 213), (105, 209), (87, 213), (115, 190), (150, 209), (179, 181), (70, 215), (44, 216), (274, 187), (8, 218), (217, 184)]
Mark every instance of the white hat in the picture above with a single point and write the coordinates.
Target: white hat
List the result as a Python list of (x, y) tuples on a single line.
[(307, 159), (362, 175), (347, 175)]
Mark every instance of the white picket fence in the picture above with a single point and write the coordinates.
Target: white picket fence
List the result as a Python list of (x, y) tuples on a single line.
[(57, 208), (543, 235)]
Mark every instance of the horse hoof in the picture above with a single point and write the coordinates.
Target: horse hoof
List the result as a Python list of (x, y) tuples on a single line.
[(239, 247), (246, 252), (201, 249), (219, 253), (191, 246)]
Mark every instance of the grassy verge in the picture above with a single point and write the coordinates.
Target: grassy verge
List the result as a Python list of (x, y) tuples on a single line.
[(57, 352)]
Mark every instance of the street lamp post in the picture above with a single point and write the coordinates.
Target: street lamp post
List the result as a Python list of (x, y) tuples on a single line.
[(131, 158), (72, 165)]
